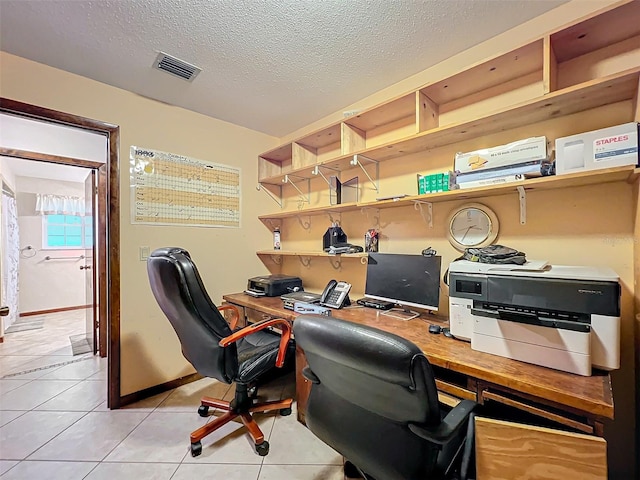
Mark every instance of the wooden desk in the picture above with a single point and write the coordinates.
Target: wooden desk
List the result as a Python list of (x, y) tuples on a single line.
[(578, 402)]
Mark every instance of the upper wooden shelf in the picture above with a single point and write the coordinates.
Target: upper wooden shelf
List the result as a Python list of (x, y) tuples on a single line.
[(596, 33), (500, 70), (609, 175), (574, 99)]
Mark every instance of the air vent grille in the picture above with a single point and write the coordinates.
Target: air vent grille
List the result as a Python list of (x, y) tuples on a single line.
[(176, 67)]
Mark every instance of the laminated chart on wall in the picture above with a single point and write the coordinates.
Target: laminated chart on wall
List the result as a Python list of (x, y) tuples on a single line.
[(172, 189)]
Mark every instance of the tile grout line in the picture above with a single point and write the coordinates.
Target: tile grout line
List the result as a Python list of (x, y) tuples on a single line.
[(45, 367)]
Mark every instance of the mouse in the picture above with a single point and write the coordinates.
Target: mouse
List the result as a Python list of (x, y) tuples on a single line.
[(434, 329), (447, 332)]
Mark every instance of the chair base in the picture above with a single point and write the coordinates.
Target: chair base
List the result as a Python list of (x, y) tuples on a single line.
[(241, 407)]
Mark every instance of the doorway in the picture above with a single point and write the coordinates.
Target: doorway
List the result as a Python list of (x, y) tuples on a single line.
[(107, 260), (50, 290)]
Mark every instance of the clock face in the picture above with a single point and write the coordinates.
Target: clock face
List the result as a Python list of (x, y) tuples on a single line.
[(472, 226)]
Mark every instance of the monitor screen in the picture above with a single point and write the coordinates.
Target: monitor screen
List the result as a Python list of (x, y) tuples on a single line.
[(407, 280)]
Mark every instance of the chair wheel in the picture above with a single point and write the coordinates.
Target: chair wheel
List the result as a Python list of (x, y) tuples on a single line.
[(262, 448), (196, 449), (285, 412), (203, 410)]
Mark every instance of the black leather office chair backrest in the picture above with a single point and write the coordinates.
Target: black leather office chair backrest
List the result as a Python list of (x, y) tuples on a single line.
[(178, 289), (369, 385)]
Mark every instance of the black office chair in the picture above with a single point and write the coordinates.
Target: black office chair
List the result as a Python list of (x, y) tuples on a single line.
[(214, 347), (374, 400)]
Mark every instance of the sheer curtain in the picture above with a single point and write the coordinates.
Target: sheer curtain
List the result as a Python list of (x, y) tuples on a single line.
[(47, 204), (10, 258)]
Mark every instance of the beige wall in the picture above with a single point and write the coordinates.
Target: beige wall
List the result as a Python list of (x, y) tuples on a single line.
[(225, 257)]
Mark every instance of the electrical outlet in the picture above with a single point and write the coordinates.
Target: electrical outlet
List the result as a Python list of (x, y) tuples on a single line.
[(144, 253)]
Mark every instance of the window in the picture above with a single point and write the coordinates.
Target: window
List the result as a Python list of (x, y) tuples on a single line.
[(67, 231)]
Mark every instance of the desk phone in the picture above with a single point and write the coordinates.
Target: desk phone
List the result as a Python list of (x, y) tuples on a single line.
[(336, 294)]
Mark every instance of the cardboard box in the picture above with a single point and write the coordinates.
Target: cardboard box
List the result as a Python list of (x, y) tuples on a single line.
[(527, 150), (605, 148)]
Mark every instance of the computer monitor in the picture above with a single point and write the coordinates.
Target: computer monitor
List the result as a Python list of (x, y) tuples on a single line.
[(406, 280)]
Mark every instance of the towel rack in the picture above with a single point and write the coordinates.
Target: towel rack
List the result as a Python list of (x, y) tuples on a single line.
[(79, 257)]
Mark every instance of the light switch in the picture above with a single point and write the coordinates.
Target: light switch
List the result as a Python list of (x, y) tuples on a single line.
[(144, 254)]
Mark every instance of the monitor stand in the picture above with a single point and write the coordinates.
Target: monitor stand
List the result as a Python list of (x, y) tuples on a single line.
[(401, 313)]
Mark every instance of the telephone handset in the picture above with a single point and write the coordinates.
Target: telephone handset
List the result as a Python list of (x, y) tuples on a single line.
[(336, 295)]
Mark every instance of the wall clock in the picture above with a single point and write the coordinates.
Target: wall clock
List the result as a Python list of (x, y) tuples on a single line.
[(472, 225)]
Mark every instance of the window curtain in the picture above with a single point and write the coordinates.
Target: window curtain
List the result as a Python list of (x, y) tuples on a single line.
[(10, 258), (59, 205)]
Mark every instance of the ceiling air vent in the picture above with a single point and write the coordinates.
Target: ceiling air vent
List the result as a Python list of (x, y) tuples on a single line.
[(176, 67)]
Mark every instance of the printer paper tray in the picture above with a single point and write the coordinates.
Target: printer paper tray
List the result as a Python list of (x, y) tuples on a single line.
[(565, 350)]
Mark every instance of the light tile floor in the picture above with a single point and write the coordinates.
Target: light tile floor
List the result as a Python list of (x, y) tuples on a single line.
[(54, 425)]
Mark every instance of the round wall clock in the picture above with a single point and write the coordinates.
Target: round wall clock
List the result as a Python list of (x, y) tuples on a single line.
[(472, 225)]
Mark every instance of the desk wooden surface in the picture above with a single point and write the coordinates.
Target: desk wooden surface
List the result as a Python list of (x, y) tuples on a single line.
[(588, 395)]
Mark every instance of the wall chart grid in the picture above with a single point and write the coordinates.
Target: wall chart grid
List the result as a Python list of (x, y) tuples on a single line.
[(172, 189)]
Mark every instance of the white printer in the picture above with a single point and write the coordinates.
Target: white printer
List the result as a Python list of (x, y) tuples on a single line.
[(562, 317)]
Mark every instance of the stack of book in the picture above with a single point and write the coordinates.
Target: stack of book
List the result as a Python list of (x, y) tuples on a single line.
[(512, 162)]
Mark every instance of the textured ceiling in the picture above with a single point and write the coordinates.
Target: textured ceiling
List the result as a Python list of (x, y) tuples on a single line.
[(269, 65)]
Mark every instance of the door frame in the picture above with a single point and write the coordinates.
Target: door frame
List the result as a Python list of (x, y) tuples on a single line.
[(108, 177)]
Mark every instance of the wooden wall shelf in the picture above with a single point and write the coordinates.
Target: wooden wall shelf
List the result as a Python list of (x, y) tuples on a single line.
[(619, 174), (591, 94)]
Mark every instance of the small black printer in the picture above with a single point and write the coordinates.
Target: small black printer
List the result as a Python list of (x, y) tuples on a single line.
[(273, 285)]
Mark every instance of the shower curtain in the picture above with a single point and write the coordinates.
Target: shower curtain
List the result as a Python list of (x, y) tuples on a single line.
[(10, 258)]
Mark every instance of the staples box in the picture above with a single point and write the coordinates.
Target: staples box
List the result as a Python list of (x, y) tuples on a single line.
[(527, 150), (608, 147)]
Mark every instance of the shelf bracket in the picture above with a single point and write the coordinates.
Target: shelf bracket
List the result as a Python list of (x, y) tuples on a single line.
[(337, 264), (333, 220), (272, 195), (316, 171), (522, 196), (303, 224), (277, 259), (305, 261), (356, 162), (417, 205), (376, 216), (303, 198), (271, 224)]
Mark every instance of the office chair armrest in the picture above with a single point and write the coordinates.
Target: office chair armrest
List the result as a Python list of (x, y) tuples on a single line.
[(448, 427), (233, 322), (284, 325)]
